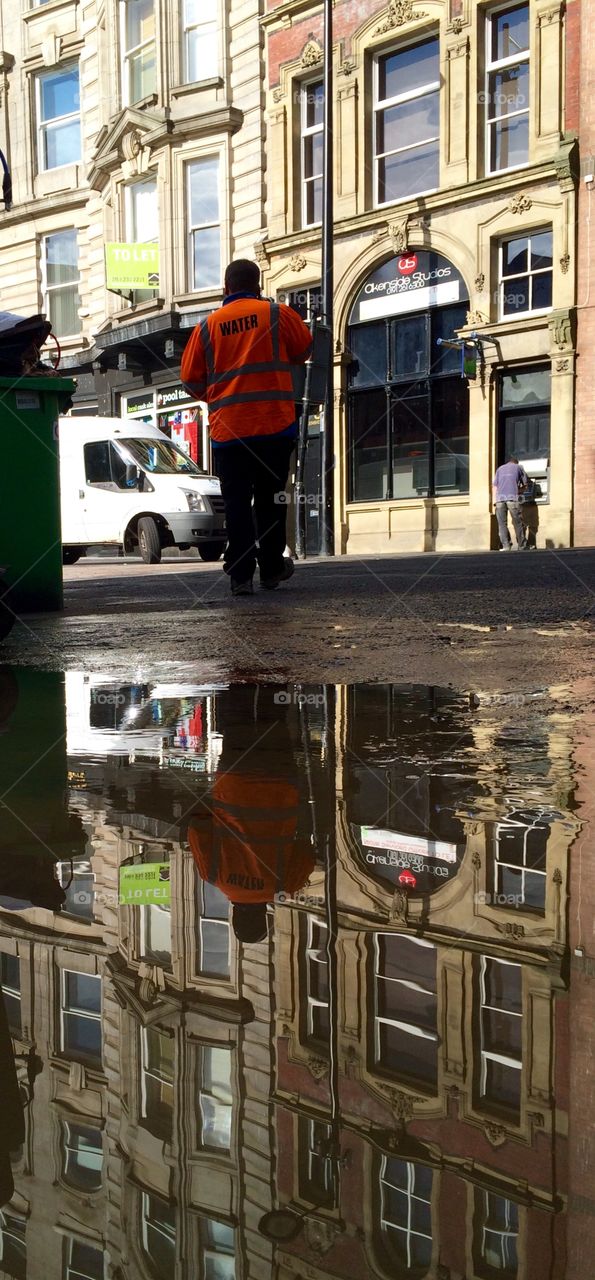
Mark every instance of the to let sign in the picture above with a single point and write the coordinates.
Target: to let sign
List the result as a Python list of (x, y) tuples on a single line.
[(145, 884), (132, 266)]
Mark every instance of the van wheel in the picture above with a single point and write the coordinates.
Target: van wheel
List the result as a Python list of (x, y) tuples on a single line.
[(70, 555), (211, 550), (149, 542)]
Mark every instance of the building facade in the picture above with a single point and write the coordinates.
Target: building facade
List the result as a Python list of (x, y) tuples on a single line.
[(455, 209)]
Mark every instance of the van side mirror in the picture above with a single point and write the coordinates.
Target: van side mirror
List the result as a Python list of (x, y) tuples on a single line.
[(133, 475)]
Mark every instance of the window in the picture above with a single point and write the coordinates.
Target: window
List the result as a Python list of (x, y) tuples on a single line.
[(82, 1156), (137, 36), (212, 958), (82, 1261), (307, 301), (81, 889), (312, 143), (507, 88), (13, 1249), (495, 1234), (526, 274), (317, 990), (520, 861), (201, 49), (406, 1214), (159, 1236), (81, 1017), (317, 1183), (10, 981), (405, 1033), (217, 1247), (155, 934), (104, 465), (142, 223), (501, 1012), (157, 1083), (58, 117), (214, 1097), (407, 122), (60, 269), (408, 408), (204, 223)]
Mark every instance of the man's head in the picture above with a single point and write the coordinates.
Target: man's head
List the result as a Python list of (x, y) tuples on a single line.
[(242, 276), (249, 920), (513, 458)]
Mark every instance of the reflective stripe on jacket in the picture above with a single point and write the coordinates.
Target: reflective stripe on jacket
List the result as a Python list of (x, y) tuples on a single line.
[(248, 844), (239, 359)]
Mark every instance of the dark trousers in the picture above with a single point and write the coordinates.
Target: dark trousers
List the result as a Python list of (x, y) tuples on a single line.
[(254, 471)]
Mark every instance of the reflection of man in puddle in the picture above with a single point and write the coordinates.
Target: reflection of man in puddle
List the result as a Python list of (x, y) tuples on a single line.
[(244, 838)]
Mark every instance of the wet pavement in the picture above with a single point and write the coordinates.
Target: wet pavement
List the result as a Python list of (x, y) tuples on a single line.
[(297, 979)]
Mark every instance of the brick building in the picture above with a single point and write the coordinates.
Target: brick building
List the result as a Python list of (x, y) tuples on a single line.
[(580, 86)]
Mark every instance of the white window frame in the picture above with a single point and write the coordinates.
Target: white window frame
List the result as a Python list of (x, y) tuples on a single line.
[(501, 64), (147, 1221), (506, 1234), (69, 1149), (79, 1013), (509, 825), (204, 1094), (308, 131), (204, 226), (14, 992), (43, 126), (69, 1272), (145, 934), (507, 282), (315, 1158), (379, 1020), (208, 25), (129, 218), (488, 1055), (153, 1073), (386, 1223), (5, 1213), (126, 54), (48, 289), (313, 957), (219, 921), (397, 100), (208, 1247)]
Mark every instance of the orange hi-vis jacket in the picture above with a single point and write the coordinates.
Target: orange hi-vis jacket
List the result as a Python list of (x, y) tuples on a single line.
[(239, 359), (246, 844)]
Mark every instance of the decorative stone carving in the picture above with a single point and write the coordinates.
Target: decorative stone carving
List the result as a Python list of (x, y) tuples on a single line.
[(548, 16), (557, 876), (347, 67), (520, 204), (564, 263), (297, 262), (132, 144), (401, 1103), (312, 54), (399, 12), (379, 234), (560, 328), (510, 929), (562, 366), (260, 254), (537, 1118), (317, 1067), (476, 317), (495, 1134), (476, 861), (479, 282), (51, 49), (147, 990), (320, 1235), (399, 234), (278, 94), (398, 906), (566, 162), (457, 25)]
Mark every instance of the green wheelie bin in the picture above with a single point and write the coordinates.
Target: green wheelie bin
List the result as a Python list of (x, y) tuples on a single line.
[(30, 532)]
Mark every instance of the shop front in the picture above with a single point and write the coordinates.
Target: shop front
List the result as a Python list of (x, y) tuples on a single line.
[(173, 411)]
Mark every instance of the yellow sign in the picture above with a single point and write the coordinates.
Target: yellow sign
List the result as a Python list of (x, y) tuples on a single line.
[(132, 266)]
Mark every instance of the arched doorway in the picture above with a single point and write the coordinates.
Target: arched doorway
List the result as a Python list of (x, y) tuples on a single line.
[(408, 405)]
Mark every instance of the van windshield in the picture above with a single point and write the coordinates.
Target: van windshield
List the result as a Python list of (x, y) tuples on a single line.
[(161, 458)]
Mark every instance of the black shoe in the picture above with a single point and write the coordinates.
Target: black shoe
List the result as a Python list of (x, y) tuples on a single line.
[(287, 572), (242, 588)]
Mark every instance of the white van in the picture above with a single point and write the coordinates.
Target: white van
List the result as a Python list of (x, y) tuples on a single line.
[(125, 484)]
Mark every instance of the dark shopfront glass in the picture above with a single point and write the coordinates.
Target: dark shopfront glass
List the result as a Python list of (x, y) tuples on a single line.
[(408, 408)]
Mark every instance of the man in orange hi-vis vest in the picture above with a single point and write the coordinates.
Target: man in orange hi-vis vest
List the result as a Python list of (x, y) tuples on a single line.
[(239, 360), (245, 835)]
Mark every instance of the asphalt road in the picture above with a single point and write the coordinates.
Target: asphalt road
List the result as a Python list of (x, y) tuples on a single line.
[(490, 620)]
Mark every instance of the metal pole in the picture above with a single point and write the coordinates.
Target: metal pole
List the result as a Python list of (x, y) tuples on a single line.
[(328, 443)]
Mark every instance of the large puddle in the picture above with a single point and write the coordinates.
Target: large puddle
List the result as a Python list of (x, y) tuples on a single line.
[(289, 975)]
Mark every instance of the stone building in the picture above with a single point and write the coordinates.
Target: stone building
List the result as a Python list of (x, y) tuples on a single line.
[(455, 206), (127, 122)]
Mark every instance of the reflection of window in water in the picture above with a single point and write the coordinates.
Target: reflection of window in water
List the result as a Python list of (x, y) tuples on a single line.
[(501, 1027), (80, 892), (80, 1017), (10, 981), (110, 706), (315, 1166), (214, 1097), (82, 1155), (82, 1261), (495, 1235), (405, 1024), (159, 1236), (406, 1214), (520, 861), (217, 1248), (212, 941), (157, 1083), (314, 938), (155, 934), (13, 1249)]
